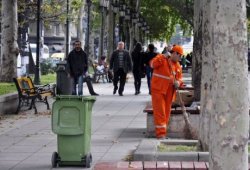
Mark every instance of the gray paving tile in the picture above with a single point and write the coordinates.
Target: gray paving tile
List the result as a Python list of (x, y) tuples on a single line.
[(115, 156), (22, 149), (133, 134), (100, 148), (33, 142), (6, 140), (107, 142), (114, 132), (39, 156), (7, 156), (38, 165), (122, 148), (6, 165), (48, 148)]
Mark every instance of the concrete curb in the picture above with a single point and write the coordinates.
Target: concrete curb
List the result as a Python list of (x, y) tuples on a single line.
[(147, 151)]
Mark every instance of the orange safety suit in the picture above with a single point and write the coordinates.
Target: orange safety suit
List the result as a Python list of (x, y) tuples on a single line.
[(163, 91)]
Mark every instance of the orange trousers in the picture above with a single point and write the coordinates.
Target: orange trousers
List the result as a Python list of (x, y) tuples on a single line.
[(162, 108)]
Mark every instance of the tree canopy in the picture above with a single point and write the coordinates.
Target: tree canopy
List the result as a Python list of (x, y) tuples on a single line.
[(162, 18), (161, 15)]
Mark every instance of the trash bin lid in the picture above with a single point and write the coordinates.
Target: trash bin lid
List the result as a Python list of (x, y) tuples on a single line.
[(74, 97)]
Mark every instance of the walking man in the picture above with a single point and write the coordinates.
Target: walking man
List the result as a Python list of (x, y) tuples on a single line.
[(121, 64), (77, 64), (167, 77)]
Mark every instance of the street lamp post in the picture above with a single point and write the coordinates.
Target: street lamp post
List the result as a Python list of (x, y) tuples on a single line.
[(89, 2), (38, 33), (67, 31)]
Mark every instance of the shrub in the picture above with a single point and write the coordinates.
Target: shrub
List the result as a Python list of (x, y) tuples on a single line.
[(47, 66)]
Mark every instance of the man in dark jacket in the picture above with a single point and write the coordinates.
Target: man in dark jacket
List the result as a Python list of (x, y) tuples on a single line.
[(121, 64), (149, 55), (77, 64)]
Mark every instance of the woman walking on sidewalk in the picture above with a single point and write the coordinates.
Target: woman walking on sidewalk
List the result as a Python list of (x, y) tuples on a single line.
[(138, 68)]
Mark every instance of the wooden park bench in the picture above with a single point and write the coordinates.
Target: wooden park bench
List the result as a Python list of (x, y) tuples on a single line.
[(29, 94)]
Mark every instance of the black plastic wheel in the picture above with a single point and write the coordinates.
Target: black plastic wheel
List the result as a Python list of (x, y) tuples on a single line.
[(88, 160), (54, 159)]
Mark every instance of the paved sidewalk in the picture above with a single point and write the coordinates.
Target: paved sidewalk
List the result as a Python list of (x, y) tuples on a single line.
[(118, 125)]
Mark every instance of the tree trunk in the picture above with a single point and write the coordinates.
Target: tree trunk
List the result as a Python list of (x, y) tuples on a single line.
[(131, 34), (101, 38), (197, 72), (91, 45), (197, 45), (134, 5), (92, 36), (9, 47), (137, 31), (110, 31), (226, 87), (80, 24)]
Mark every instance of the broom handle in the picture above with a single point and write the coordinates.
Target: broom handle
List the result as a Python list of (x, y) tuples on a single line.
[(178, 92), (181, 101)]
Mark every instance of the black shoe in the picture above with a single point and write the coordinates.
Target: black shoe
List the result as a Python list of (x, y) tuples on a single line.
[(114, 92), (94, 94), (120, 94), (136, 93)]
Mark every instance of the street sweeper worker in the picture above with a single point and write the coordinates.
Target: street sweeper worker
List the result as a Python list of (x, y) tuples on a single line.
[(167, 77)]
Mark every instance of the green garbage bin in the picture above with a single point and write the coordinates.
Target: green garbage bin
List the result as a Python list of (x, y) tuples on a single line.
[(71, 121)]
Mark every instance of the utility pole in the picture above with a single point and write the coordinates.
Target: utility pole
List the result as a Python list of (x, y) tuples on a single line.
[(38, 33), (88, 28), (67, 30)]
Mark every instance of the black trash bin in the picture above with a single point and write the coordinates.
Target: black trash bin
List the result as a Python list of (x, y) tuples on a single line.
[(63, 82)]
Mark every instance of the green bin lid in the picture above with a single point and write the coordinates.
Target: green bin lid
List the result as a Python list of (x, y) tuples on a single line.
[(74, 97)]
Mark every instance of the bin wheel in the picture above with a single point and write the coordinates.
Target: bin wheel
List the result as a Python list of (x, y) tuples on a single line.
[(88, 160), (54, 159)]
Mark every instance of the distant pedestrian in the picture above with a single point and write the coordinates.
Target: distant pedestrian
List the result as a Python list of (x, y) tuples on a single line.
[(184, 62), (138, 68), (149, 55), (77, 65), (189, 58), (121, 64)]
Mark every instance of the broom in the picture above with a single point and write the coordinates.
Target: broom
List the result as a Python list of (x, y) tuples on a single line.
[(189, 130)]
